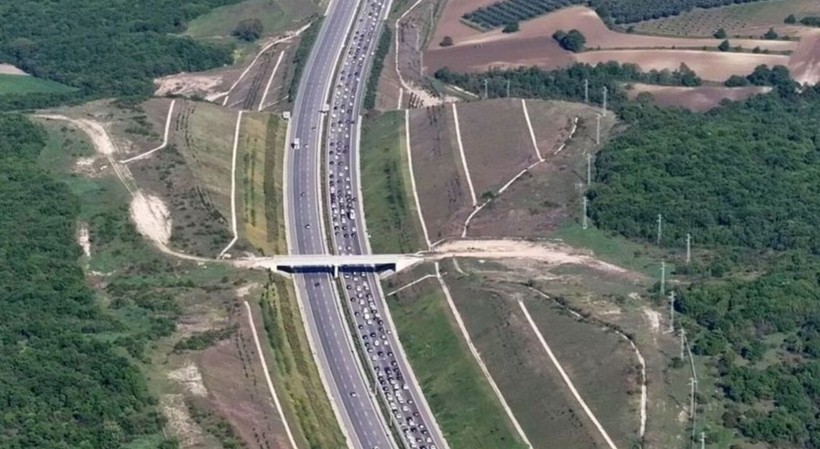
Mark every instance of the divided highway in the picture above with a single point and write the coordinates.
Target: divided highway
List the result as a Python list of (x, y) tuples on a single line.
[(349, 32)]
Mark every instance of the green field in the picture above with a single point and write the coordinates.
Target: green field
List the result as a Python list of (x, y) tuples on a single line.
[(461, 400), (21, 84), (276, 16), (389, 206)]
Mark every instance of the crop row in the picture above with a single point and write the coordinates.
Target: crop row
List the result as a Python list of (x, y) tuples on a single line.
[(617, 11)]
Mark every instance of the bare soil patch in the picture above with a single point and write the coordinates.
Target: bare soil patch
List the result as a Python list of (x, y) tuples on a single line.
[(237, 390), (698, 99), (180, 423), (209, 86), (8, 69), (83, 239), (709, 65), (496, 141), (804, 64), (152, 218), (441, 183), (502, 54)]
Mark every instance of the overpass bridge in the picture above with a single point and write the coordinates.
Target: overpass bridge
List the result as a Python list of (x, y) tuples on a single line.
[(293, 263)]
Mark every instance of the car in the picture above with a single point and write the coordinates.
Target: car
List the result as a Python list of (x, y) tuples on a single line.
[(353, 394), (307, 226)]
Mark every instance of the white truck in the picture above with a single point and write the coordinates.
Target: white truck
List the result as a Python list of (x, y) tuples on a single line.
[(296, 143)]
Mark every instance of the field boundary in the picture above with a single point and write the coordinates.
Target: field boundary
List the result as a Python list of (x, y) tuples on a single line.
[(164, 138), (405, 286), (233, 186), (413, 177), (532, 132), (463, 328), (463, 156), (267, 377), (566, 378)]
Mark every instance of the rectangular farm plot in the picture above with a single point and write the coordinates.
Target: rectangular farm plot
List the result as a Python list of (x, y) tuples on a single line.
[(442, 186), (496, 141)]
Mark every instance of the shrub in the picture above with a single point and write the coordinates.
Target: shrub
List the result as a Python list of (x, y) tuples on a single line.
[(791, 19), (771, 34), (248, 30), (511, 27), (720, 34), (573, 41), (736, 81), (724, 46), (446, 41)]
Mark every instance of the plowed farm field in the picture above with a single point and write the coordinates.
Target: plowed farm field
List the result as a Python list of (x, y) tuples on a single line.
[(698, 99)]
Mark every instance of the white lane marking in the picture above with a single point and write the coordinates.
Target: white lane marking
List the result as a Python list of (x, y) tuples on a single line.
[(566, 377), (164, 138), (233, 187), (477, 358), (463, 156), (267, 377), (270, 80), (532, 133), (413, 176)]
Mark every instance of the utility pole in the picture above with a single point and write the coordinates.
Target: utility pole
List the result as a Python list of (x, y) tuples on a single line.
[(663, 279), (702, 440), (485, 89), (604, 110), (585, 212), (671, 312), (586, 90), (598, 129), (589, 169), (660, 225), (688, 248), (508, 88), (682, 343)]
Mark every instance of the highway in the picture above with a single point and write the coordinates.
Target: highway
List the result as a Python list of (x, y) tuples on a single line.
[(349, 33), (363, 423)]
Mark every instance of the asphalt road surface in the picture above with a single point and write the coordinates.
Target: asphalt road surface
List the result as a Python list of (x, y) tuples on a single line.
[(364, 424)]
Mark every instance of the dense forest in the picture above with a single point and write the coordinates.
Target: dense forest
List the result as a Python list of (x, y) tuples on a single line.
[(61, 385), (104, 47)]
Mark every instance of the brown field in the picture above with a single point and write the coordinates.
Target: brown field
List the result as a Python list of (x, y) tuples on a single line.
[(441, 183), (496, 142), (698, 99), (533, 46), (804, 64), (598, 36), (752, 19), (233, 376), (538, 202), (709, 65), (449, 24), (599, 363)]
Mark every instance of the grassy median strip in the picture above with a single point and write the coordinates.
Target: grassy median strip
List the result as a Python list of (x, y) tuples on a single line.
[(388, 200), (461, 400), (303, 395)]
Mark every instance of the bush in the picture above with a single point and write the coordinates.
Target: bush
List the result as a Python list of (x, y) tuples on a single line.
[(810, 21), (248, 30), (791, 20), (720, 34), (736, 81), (511, 27), (724, 46), (573, 41), (446, 41), (770, 35)]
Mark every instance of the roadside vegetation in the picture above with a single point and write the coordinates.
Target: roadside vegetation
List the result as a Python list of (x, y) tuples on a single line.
[(304, 395), (301, 55), (388, 199), (463, 403), (385, 39), (273, 16)]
